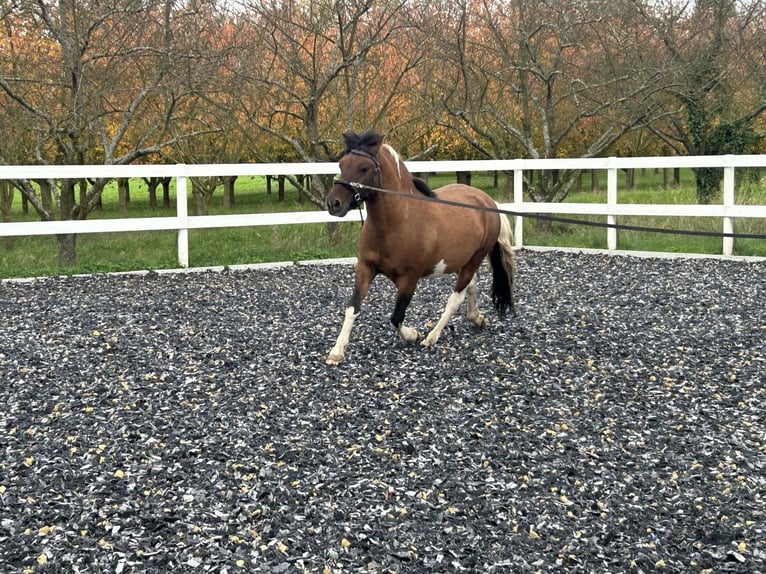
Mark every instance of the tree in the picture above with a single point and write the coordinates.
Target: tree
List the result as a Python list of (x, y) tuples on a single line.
[(98, 81), (713, 58), (320, 68), (542, 80)]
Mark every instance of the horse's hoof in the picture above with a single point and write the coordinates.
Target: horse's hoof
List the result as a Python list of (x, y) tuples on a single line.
[(479, 320), (429, 341), (409, 334), (333, 359)]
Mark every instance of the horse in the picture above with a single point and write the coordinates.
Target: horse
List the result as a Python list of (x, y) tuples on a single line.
[(406, 238)]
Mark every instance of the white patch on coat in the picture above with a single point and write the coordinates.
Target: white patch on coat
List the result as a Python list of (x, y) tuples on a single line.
[(439, 269), (397, 159)]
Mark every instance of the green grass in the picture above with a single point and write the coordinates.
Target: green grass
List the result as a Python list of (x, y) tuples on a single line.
[(649, 189), (36, 256)]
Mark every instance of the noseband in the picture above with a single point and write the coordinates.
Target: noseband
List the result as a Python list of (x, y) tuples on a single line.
[(354, 186)]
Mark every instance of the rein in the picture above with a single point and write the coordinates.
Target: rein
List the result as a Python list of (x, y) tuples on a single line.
[(353, 185)]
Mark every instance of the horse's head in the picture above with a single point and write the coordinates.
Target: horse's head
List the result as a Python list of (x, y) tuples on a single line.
[(359, 173)]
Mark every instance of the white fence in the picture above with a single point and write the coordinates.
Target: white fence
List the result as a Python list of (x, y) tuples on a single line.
[(728, 210)]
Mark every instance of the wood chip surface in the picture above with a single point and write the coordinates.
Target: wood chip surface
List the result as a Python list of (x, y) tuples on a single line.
[(188, 423)]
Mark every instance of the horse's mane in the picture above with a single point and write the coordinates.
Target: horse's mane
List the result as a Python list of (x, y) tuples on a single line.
[(422, 187), (368, 140)]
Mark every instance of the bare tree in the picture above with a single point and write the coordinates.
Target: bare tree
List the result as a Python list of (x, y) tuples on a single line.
[(96, 79), (318, 69), (715, 72), (542, 80)]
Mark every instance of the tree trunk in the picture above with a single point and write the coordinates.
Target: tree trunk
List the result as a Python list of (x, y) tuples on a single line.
[(281, 188), (123, 193), (708, 183), (198, 201), (46, 195), (67, 199), (166, 192), (595, 187), (630, 178), (67, 245), (82, 188), (508, 187), (6, 203), (228, 191), (151, 186), (464, 177)]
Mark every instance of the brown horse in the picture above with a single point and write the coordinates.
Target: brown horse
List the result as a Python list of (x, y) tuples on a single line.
[(407, 239)]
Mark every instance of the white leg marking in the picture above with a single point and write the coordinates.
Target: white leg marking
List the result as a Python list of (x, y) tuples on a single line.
[(453, 304), (338, 351), (408, 333), (472, 310)]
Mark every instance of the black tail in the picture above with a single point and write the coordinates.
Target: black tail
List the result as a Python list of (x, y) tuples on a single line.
[(503, 267)]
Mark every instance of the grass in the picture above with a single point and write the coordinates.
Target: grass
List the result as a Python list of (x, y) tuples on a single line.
[(37, 256)]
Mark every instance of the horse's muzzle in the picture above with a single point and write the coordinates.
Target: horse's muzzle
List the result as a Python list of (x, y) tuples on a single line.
[(336, 207), (342, 198)]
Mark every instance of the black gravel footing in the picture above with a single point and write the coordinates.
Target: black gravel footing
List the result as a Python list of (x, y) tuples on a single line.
[(188, 423)]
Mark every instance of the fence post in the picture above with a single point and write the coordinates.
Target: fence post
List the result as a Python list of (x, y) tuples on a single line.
[(611, 201), (728, 200), (182, 216), (518, 199)]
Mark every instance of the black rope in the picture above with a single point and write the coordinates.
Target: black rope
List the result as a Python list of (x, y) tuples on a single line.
[(570, 220)]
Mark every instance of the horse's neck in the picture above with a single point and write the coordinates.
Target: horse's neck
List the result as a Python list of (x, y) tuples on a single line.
[(388, 209), (392, 210)]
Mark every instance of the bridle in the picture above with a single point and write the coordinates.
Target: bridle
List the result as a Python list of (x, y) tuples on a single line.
[(356, 187)]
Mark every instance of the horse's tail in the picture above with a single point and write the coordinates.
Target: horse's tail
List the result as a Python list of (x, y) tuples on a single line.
[(503, 266)]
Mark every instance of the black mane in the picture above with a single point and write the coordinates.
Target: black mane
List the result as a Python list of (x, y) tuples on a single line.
[(363, 142), (369, 139), (422, 187)]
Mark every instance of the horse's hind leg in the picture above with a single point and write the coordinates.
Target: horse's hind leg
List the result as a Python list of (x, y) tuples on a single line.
[(456, 299), (465, 285), (472, 312)]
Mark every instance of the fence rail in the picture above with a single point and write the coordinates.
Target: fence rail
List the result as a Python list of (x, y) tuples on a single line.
[(182, 222)]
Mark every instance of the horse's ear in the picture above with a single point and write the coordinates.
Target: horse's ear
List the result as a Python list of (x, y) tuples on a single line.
[(350, 139), (376, 141), (369, 141)]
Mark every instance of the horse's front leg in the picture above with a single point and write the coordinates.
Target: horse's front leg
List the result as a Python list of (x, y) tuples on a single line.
[(404, 291), (364, 275)]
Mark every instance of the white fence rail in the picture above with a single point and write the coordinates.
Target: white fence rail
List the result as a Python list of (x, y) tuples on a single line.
[(182, 222)]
